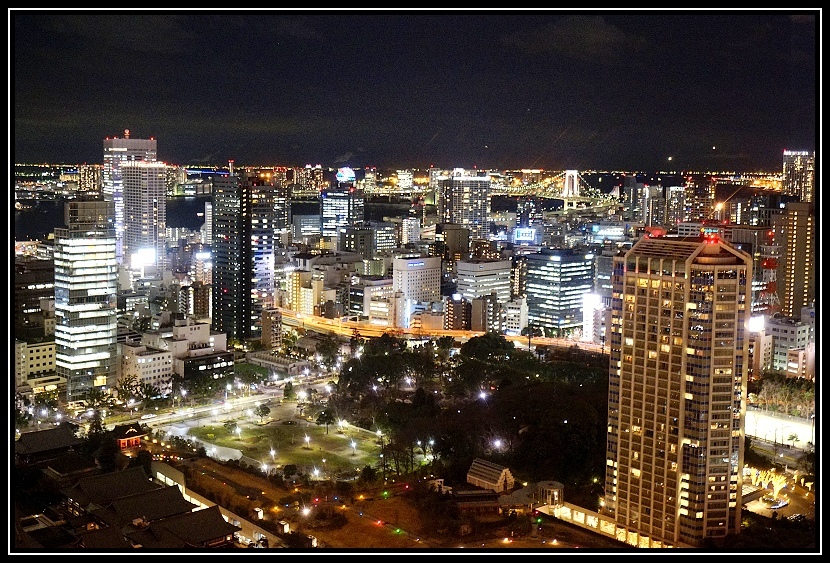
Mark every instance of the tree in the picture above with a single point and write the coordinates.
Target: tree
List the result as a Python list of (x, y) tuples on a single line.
[(289, 470), (288, 392), (444, 346), (325, 417), (328, 348), (808, 462), (143, 459), (793, 438), (21, 417), (262, 411), (531, 331), (108, 453), (48, 400), (250, 374), (230, 426), (128, 387), (98, 400), (149, 394), (355, 343), (368, 474), (488, 347), (289, 340)]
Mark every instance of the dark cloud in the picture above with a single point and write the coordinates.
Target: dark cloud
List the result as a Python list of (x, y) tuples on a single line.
[(587, 38)]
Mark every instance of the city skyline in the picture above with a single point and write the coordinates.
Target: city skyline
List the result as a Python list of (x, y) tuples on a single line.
[(509, 89)]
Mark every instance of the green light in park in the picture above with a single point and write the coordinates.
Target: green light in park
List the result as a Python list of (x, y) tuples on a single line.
[(385, 493), (397, 530)]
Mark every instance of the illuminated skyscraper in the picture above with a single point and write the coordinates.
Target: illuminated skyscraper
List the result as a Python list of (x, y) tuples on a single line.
[(555, 284), (799, 174), (479, 278), (249, 213), (116, 152), (342, 205), (85, 298), (145, 215), (795, 237), (677, 391), (699, 197), (464, 199)]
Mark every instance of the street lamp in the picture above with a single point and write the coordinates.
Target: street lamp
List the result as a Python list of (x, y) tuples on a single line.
[(353, 448), (307, 440)]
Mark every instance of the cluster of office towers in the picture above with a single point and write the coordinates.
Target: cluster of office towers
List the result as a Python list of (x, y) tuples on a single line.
[(677, 332)]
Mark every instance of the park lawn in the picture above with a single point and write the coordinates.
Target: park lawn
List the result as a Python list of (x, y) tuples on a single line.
[(290, 446)]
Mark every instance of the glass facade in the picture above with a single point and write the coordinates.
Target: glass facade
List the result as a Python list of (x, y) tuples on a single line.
[(555, 282), (85, 298)]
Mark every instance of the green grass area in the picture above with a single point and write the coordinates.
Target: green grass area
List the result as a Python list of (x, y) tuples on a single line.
[(290, 445)]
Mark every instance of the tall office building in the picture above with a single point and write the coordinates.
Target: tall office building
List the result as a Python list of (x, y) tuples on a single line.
[(799, 174), (416, 283), (633, 199), (795, 236), (342, 205), (116, 152), (248, 215), (207, 229), (308, 181), (89, 179), (86, 274), (464, 199), (34, 280), (145, 216), (368, 238), (410, 230), (677, 391), (675, 206), (699, 197), (555, 283), (478, 278)]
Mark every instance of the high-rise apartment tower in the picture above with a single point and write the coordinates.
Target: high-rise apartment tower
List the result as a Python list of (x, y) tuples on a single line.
[(677, 391), (799, 174), (249, 213)]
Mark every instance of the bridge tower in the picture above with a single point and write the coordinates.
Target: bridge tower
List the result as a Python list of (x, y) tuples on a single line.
[(570, 187)]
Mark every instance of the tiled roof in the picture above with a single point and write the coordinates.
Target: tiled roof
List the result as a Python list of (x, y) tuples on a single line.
[(131, 430), (46, 440), (191, 529), (70, 462), (486, 471), (107, 487), (105, 538), (153, 505)]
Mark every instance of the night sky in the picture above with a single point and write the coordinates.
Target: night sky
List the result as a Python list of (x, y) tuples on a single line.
[(500, 89)]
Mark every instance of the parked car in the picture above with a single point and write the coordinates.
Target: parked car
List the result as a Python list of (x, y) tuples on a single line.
[(781, 503)]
